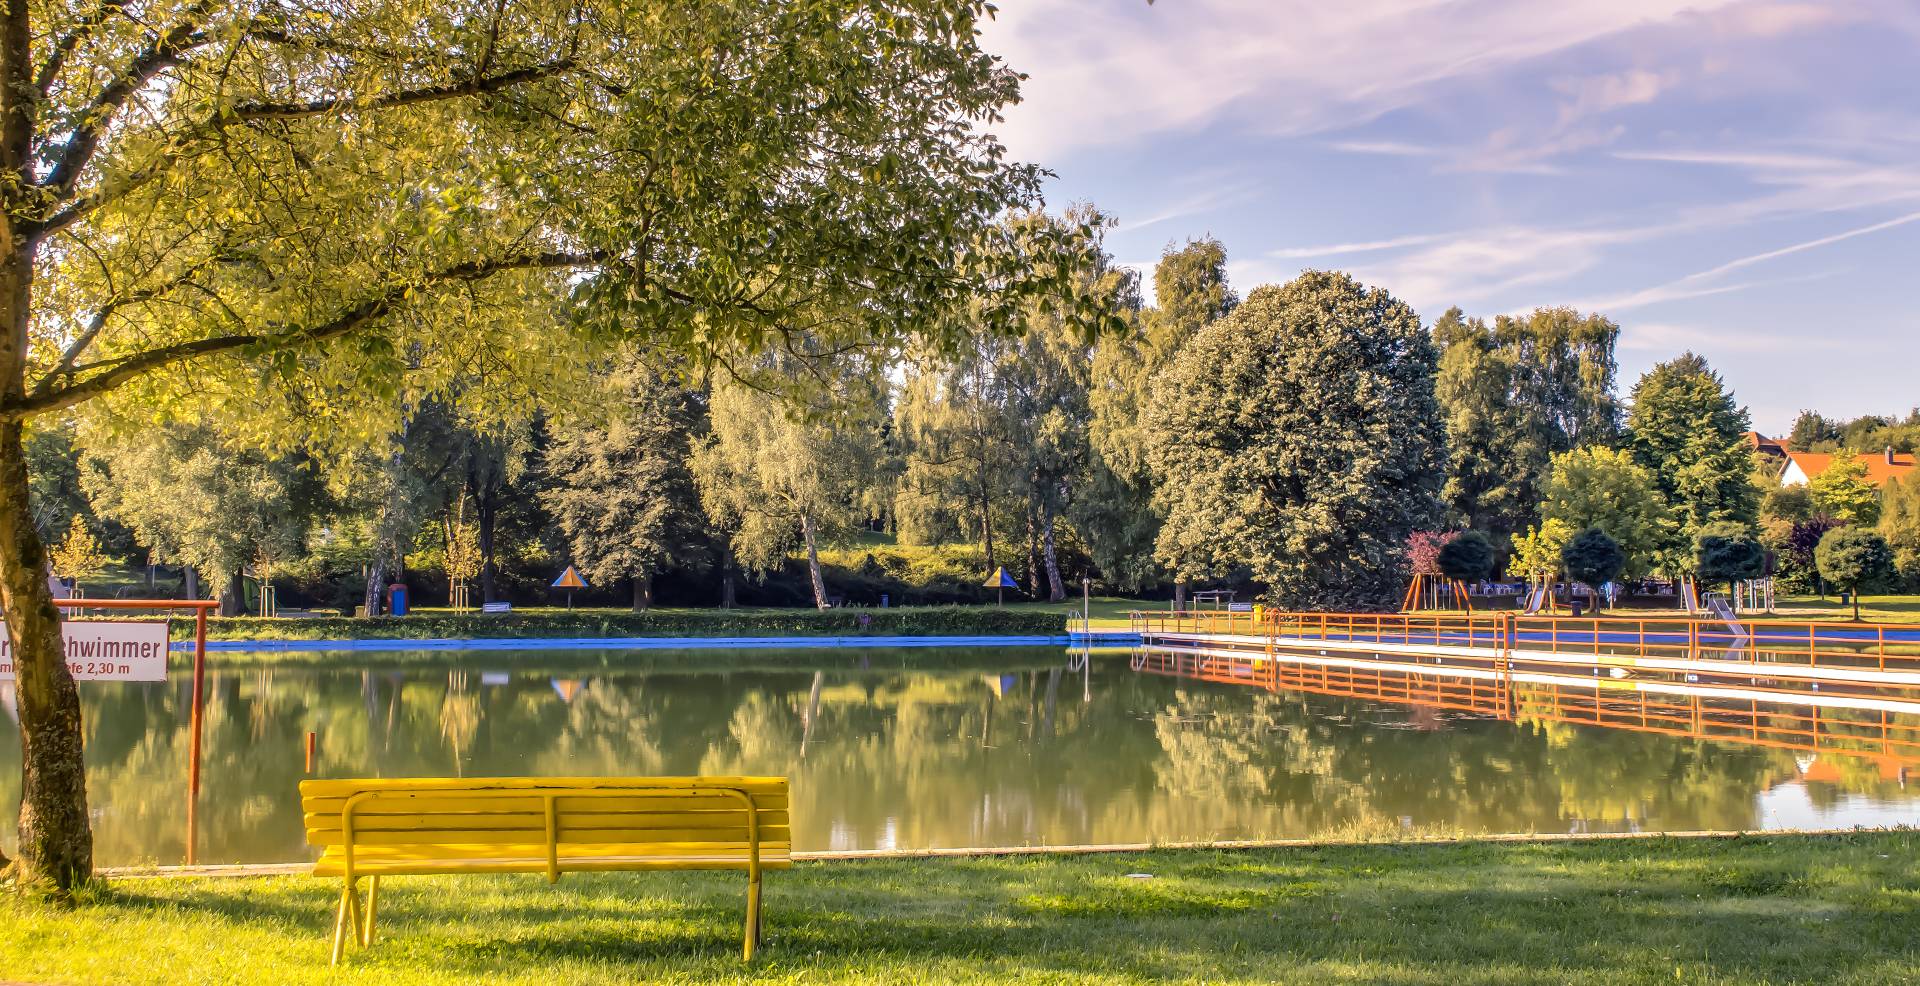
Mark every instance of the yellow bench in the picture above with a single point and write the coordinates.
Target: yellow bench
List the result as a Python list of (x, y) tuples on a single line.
[(550, 825)]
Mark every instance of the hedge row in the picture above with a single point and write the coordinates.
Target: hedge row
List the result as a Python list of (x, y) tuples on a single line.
[(927, 622)]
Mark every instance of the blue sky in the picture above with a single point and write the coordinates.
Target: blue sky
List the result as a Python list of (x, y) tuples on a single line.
[(1737, 177)]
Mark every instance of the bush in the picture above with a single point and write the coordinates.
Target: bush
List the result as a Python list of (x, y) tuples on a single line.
[(919, 622), (1728, 553), (1467, 558), (1593, 557)]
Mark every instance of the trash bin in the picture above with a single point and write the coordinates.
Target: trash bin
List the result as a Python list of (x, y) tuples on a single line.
[(883, 600), (1846, 598), (1578, 606), (397, 599)]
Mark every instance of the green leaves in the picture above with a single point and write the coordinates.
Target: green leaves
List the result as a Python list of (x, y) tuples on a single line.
[(1299, 437), (737, 172)]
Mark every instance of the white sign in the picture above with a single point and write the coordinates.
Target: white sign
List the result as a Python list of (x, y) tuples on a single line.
[(117, 650)]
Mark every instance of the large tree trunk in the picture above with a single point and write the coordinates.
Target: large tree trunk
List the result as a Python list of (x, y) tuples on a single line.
[(486, 513), (376, 583), (642, 593), (729, 591), (190, 582), (813, 563), (233, 599), (56, 844), (1056, 589), (1033, 549)]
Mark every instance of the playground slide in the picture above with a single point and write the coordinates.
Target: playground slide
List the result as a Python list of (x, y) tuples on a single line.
[(1722, 611), (1535, 601)]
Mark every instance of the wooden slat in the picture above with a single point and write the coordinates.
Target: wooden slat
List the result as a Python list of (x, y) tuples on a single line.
[(569, 850), (453, 802), (456, 825), (536, 820), (576, 836), (582, 865), (349, 786)]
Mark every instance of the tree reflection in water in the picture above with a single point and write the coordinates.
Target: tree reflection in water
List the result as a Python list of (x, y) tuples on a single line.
[(916, 749)]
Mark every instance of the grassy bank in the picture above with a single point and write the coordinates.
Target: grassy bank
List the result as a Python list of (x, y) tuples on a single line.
[(1837, 909), (427, 625)]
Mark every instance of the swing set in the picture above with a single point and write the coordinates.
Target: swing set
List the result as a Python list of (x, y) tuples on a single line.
[(1430, 591)]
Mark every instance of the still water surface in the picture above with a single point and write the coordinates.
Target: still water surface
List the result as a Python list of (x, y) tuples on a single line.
[(912, 749)]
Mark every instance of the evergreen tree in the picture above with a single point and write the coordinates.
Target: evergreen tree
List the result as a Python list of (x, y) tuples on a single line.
[(1467, 558), (1299, 437), (621, 491), (1688, 432), (1728, 553)]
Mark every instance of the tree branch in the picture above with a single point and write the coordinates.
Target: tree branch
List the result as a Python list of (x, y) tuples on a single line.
[(117, 372), (84, 141), (64, 47), (476, 86)]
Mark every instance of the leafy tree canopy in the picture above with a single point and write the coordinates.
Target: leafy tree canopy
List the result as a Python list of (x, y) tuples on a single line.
[(1843, 492), (1727, 553), (1593, 557), (1467, 558), (1855, 559), (1605, 488), (1299, 436)]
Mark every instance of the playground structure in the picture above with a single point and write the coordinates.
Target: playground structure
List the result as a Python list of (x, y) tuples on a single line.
[(1436, 592)]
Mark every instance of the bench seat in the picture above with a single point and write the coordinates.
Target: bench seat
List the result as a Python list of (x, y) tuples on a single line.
[(369, 828), (532, 858)]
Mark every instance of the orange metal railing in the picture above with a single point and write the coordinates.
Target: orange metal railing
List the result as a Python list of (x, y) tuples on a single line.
[(1885, 737), (1545, 639)]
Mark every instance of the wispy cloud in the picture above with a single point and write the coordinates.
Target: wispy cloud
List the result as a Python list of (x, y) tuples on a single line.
[(1364, 246), (1107, 73)]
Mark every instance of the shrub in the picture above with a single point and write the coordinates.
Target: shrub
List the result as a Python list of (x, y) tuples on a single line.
[(1593, 557)]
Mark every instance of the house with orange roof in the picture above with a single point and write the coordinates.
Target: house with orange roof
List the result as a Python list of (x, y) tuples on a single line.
[(1881, 466)]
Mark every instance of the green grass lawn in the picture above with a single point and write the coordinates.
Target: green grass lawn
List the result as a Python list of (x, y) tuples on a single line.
[(1789, 909)]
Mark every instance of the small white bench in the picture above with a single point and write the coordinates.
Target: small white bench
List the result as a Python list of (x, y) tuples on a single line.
[(496, 607)]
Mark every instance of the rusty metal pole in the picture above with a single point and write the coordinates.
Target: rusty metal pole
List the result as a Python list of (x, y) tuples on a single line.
[(310, 745), (198, 723)]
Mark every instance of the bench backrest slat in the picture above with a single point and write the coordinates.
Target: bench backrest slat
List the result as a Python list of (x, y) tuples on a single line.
[(671, 814)]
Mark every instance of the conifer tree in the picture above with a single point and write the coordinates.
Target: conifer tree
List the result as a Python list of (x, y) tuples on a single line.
[(1689, 433), (621, 490)]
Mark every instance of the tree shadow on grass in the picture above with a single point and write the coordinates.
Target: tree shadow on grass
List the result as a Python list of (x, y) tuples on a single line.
[(1520, 915)]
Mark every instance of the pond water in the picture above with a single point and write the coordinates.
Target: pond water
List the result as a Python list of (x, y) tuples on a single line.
[(927, 748)]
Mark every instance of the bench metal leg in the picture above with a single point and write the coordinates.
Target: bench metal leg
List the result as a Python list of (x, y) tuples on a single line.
[(340, 922), (753, 917), (373, 903)]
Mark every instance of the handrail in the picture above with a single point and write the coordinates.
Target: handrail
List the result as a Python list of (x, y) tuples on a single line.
[(1853, 646)]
